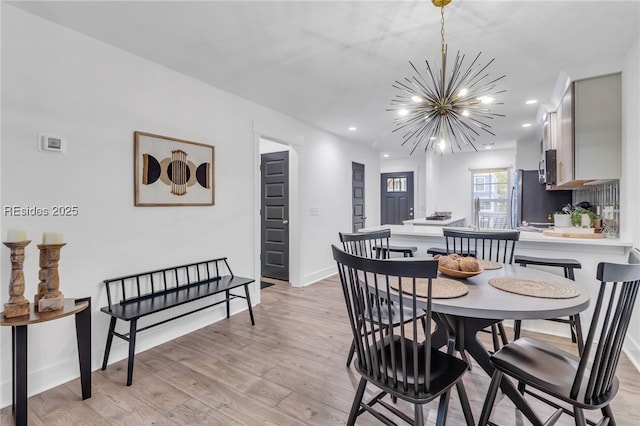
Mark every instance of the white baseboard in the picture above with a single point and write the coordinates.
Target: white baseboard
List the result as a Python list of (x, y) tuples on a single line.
[(319, 275)]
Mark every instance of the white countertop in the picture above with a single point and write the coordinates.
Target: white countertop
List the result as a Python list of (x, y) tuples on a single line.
[(529, 236), (427, 222)]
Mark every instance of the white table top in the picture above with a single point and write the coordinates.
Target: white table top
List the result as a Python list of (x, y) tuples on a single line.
[(485, 301)]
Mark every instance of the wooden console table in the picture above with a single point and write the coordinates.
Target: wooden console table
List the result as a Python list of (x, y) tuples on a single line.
[(81, 308)]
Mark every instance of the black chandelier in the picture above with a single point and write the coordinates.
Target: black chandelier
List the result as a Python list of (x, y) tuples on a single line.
[(434, 111)]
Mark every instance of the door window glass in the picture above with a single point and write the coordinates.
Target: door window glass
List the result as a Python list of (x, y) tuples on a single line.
[(397, 184)]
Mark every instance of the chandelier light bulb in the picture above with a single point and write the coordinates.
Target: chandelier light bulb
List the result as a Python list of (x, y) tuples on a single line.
[(403, 112), (416, 99), (463, 91)]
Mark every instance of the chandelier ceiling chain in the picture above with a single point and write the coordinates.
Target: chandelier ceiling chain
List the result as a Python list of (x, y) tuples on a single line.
[(433, 111)]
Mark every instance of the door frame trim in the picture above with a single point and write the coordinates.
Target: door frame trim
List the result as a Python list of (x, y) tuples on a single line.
[(294, 142)]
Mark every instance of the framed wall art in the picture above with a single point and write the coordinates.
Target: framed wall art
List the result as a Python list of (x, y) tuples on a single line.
[(173, 172)]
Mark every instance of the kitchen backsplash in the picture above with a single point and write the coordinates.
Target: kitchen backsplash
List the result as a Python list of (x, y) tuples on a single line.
[(605, 198)]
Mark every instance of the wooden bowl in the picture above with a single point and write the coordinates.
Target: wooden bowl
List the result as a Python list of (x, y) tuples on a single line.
[(458, 274)]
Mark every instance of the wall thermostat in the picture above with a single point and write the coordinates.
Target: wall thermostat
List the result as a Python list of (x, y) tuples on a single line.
[(51, 143)]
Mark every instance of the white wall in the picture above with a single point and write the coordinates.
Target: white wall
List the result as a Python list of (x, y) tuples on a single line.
[(454, 177), (415, 164), (629, 187), (55, 80)]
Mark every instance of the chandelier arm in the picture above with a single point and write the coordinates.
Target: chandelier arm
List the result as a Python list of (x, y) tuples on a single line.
[(421, 137), (466, 138), (470, 70), (428, 94), (454, 75), (433, 80), (486, 86), (455, 137), (443, 72), (424, 80), (416, 130), (404, 87), (464, 126), (481, 125)]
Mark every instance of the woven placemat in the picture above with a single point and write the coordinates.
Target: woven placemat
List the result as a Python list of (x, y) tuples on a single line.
[(442, 288), (489, 264), (534, 287)]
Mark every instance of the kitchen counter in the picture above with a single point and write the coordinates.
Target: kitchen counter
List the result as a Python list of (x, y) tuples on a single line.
[(454, 221)]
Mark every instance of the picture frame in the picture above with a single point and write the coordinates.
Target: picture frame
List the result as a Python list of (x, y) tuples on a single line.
[(172, 172)]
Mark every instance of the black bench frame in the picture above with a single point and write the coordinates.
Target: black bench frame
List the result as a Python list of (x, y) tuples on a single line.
[(134, 296)]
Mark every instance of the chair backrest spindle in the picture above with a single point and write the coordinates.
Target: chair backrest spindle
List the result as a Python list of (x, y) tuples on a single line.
[(498, 246), (373, 244)]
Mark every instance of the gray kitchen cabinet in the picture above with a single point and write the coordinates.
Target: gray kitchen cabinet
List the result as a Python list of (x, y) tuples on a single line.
[(589, 132)]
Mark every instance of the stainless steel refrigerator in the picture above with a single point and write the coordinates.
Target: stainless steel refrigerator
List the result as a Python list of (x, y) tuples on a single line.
[(531, 202)]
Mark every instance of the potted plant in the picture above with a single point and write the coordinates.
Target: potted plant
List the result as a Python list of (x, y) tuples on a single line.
[(578, 219), (561, 219)]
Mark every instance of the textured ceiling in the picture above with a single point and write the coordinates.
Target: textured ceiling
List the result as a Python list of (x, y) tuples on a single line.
[(332, 63)]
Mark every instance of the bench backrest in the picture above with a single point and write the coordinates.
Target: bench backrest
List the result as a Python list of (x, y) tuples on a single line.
[(133, 288)]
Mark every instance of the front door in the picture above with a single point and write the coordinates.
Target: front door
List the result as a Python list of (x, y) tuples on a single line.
[(396, 197), (274, 181), (357, 195)]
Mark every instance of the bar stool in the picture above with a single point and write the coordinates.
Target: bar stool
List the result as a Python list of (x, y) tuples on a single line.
[(568, 265), (443, 251), (385, 251)]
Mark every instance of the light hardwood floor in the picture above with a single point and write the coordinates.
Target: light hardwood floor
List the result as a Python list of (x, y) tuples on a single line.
[(289, 369)]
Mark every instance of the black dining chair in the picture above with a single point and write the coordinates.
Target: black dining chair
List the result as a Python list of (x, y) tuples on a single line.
[(493, 245), (568, 266), (373, 244), (398, 360), (587, 382)]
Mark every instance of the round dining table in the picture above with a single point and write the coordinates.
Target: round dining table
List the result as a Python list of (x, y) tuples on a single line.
[(461, 318)]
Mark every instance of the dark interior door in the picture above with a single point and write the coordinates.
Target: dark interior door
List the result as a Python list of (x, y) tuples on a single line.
[(357, 195), (396, 197), (275, 215)]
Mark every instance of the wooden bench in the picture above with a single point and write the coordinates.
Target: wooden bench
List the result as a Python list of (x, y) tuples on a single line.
[(135, 296)]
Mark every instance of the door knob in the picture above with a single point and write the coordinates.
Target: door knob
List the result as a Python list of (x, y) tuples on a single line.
[(285, 222)]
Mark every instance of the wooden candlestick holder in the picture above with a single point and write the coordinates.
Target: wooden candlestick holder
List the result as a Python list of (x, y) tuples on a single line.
[(17, 305), (49, 297)]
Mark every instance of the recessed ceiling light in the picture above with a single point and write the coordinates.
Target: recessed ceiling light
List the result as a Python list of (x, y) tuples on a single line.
[(487, 147), (526, 125), (353, 128), (532, 101), (385, 155)]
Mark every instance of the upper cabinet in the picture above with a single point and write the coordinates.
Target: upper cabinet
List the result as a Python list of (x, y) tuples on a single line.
[(565, 142), (589, 131)]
